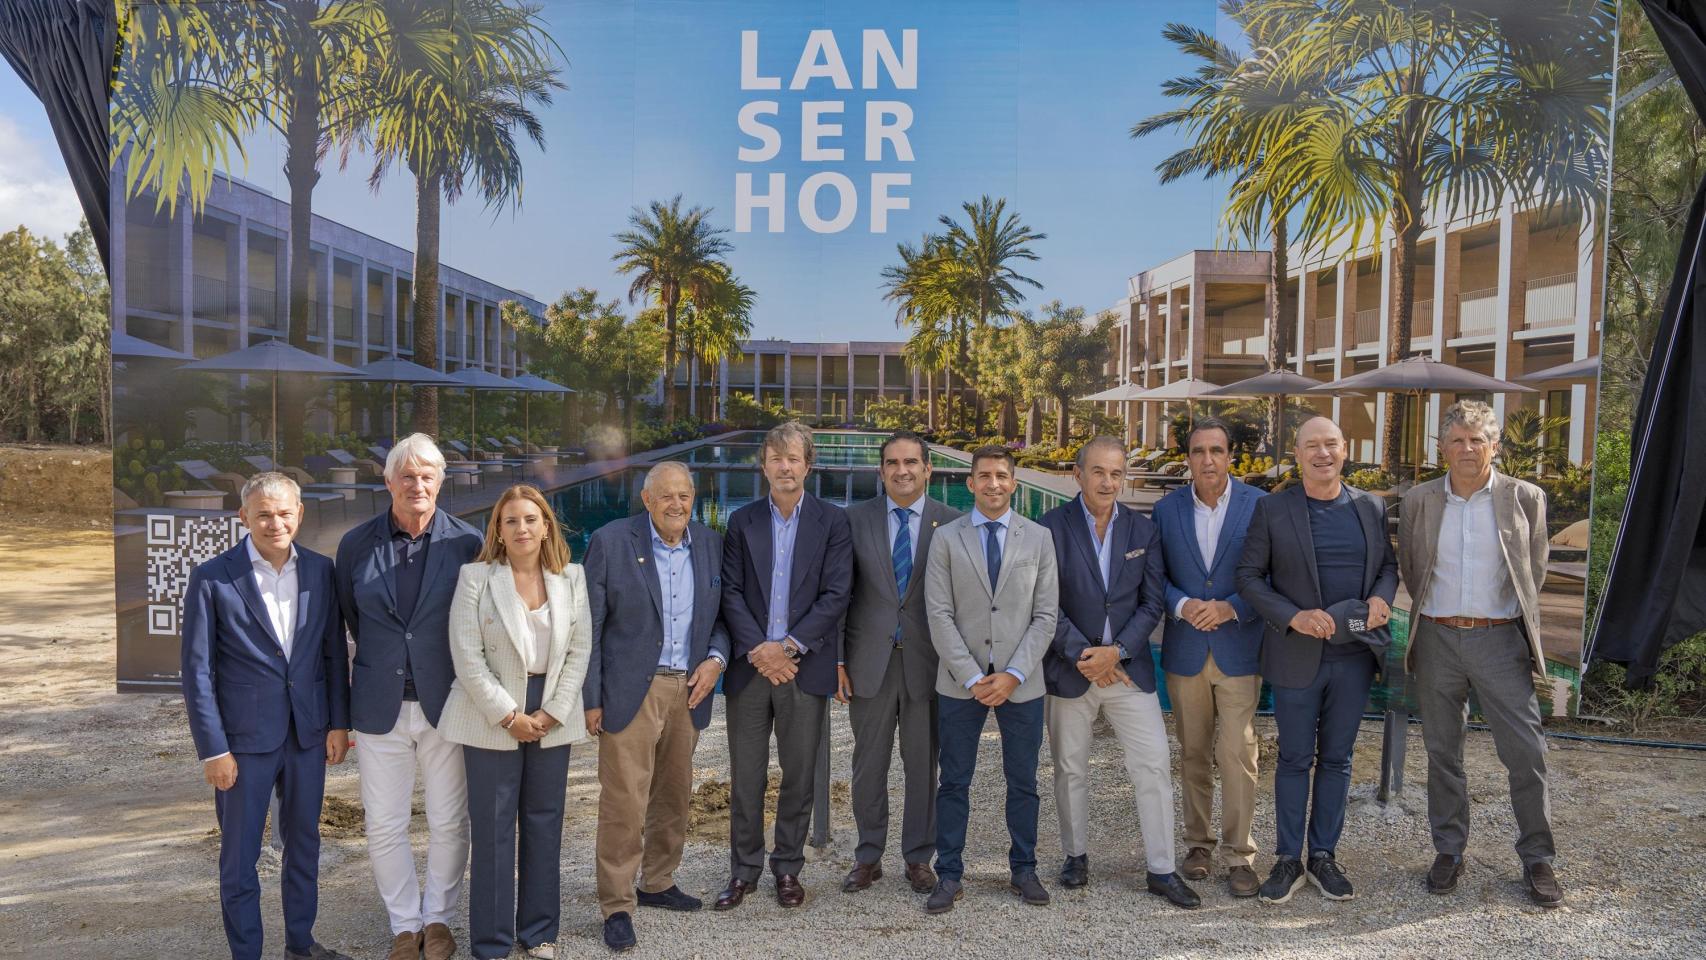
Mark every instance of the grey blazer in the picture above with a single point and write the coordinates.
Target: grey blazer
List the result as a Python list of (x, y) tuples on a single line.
[(977, 627), (1520, 508), (876, 608), (1277, 576)]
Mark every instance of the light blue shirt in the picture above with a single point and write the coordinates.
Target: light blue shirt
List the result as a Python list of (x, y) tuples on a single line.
[(782, 534), (675, 578), (996, 526), (1104, 556), (914, 523)]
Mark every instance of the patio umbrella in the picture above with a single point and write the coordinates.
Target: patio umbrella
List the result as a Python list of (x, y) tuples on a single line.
[(533, 384), (1418, 376), (1279, 383), (394, 371), (1190, 390), (127, 347), (273, 357), (1584, 369), (473, 379), (1119, 394)]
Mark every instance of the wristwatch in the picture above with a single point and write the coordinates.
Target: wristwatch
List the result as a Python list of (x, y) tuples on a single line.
[(791, 649)]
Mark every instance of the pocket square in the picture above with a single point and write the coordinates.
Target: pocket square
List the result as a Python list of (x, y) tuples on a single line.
[(1134, 554)]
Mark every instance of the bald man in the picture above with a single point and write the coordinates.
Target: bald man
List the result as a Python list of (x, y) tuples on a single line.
[(1320, 570)]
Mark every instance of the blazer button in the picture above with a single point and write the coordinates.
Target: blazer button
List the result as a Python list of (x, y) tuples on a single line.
[(1210, 583), (399, 672), (408, 636), (994, 609)]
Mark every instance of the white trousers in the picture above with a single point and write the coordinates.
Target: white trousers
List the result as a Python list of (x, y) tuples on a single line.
[(387, 763), (1136, 719)]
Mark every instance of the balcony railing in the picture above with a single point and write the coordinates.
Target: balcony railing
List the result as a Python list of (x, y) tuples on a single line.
[(1368, 327), (266, 308), (376, 328), (1322, 334), (1422, 319), (343, 322), (1478, 312), (1550, 302), (212, 297)]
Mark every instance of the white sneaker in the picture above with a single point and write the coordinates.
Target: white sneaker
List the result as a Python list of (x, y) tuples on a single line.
[(544, 951)]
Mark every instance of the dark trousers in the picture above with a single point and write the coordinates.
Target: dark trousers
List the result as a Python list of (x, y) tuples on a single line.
[(299, 776), (1318, 728), (875, 718), (797, 719), (506, 789), (960, 724)]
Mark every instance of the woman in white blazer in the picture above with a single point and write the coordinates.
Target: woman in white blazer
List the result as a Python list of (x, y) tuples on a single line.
[(520, 636)]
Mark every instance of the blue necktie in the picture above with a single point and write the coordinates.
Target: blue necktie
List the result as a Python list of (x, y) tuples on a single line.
[(992, 552), (902, 557)]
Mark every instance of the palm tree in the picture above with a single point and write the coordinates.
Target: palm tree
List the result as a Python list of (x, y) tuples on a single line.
[(926, 287), (672, 254), (1064, 358), (714, 328), (1234, 106), (1443, 107), (927, 351), (985, 247), (456, 84)]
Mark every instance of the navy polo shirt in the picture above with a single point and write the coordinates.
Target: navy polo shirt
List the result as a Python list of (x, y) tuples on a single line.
[(409, 558)]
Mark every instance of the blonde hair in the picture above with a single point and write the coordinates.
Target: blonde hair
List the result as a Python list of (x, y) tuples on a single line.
[(553, 553)]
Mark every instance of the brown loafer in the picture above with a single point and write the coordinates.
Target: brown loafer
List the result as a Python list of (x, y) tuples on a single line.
[(922, 878), (1543, 885), (437, 943), (789, 893), (406, 946), (861, 876), (1198, 864), (732, 895), (1242, 881), (1442, 876)]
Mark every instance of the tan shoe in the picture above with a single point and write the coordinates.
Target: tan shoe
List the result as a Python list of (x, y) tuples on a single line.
[(1242, 881), (438, 944), (1198, 864), (407, 946)]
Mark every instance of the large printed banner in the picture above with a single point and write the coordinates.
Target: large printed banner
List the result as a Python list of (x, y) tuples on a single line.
[(959, 217)]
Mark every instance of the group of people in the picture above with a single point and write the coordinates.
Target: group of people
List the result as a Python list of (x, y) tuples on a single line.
[(475, 660)]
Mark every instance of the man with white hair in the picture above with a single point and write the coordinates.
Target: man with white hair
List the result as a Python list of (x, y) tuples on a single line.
[(267, 692), (1472, 546), (396, 576)]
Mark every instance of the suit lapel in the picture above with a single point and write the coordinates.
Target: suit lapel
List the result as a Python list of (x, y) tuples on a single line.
[(927, 524), (384, 561), (806, 524), (562, 619), (1373, 518), (763, 549), (1078, 531), (1237, 507), (243, 578), (511, 610), (1185, 506), (874, 527), (1119, 545), (704, 563), (1504, 516), (973, 546), (306, 580), (644, 559), (1009, 549), (1298, 507)]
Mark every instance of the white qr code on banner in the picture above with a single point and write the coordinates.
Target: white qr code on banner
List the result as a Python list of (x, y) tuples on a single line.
[(175, 546)]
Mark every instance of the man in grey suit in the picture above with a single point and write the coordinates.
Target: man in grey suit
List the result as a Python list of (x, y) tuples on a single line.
[(1316, 558), (888, 670), (654, 585), (991, 593), (1472, 546)]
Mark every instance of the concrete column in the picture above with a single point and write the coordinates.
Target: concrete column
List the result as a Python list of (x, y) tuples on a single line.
[(391, 312), (360, 300), (1430, 445), (237, 269), (1308, 300), (1344, 322), (186, 281), (1513, 292), (328, 297), (1588, 274), (848, 414), (1174, 305), (1388, 289), (1197, 333)]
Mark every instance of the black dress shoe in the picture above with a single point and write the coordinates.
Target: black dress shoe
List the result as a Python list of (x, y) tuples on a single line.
[(789, 893), (1076, 871), (619, 932), (861, 876), (1542, 884), (732, 894), (942, 898), (1442, 876), (1028, 888), (315, 952), (672, 899), (1174, 888)]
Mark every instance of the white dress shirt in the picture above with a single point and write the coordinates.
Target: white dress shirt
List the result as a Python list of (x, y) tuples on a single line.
[(278, 593), (1470, 578), (1209, 522), (914, 523)]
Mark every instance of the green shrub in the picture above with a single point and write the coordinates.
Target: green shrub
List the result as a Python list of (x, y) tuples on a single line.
[(1372, 478), (1678, 689)]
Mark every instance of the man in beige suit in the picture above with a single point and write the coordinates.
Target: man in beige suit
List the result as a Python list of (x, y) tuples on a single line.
[(991, 593), (1472, 547)]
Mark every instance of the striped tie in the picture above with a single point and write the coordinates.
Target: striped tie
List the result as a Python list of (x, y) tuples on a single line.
[(902, 557)]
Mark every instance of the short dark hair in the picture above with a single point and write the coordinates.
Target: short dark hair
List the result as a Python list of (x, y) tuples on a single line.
[(903, 436), (785, 434), (993, 452), (1209, 423)]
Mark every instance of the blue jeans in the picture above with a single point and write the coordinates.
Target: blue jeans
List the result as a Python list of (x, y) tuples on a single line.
[(1318, 728), (959, 725)]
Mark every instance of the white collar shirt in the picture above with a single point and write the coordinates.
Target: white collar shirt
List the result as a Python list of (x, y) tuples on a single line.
[(278, 589)]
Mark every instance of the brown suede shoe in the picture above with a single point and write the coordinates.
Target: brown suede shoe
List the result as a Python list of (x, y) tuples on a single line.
[(437, 943), (1198, 864), (406, 946), (1242, 881), (922, 878), (1542, 885), (789, 893), (862, 876)]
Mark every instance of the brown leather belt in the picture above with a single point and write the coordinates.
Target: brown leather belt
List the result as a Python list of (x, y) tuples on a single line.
[(1470, 623)]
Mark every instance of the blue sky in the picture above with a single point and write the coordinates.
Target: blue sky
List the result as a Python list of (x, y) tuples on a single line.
[(1021, 99)]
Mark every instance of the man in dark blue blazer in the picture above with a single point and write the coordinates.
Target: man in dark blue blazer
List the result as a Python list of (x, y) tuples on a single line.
[(267, 692), (396, 577), (654, 584), (1111, 586), (1209, 649), (1310, 548), (787, 579)]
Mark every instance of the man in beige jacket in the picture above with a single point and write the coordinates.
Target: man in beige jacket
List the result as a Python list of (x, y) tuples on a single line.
[(1472, 547)]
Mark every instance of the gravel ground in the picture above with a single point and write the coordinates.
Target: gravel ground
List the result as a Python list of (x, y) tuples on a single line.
[(108, 847)]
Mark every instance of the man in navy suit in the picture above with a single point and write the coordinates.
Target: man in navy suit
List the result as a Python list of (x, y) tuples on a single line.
[(267, 692), (654, 584), (1111, 587), (396, 577), (1209, 649), (787, 579)]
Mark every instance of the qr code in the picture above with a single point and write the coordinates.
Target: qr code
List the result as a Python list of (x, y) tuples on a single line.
[(175, 547)]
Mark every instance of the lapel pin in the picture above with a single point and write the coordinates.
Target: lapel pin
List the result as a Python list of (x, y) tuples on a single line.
[(641, 559)]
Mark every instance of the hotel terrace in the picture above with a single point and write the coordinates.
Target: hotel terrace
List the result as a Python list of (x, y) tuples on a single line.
[(1503, 293), (825, 383)]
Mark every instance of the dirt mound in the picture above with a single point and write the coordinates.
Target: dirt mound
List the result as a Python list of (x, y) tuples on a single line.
[(42, 481)]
